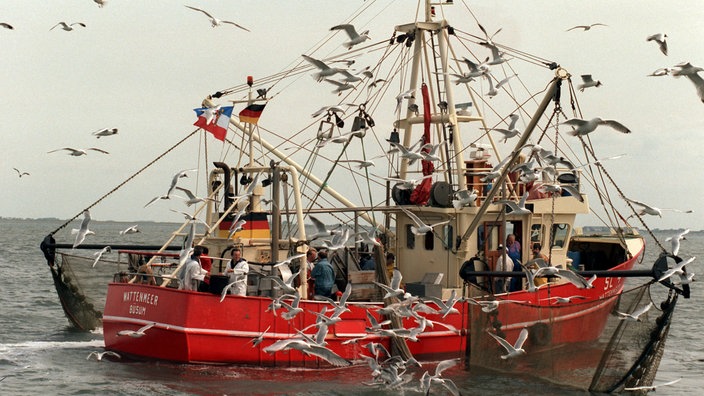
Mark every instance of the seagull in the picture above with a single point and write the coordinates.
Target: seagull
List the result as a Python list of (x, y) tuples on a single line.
[(394, 289), (328, 110), (421, 228), (101, 3), (308, 348), (172, 187), (192, 199), (687, 278), (99, 355), (649, 388), (495, 171), (99, 255), (511, 131), (360, 163), (258, 339), (288, 260), (677, 269), (214, 21), (496, 56), (405, 184), (341, 86), (83, 231), (411, 156), (325, 70), (78, 152), (652, 210), (136, 334), (585, 27), (338, 241), (663, 71), (68, 27), (587, 82), (685, 69), (635, 316), (659, 38), (489, 306), (20, 174), (515, 349), (190, 217), (428, 380), (320, 230), (446, 308), (355, 38), (403, 95), (675, 241), (239, 276), (464, 198), (475, 70), (130, 230), (517, 208), (583, 127), (375, 326), (557, 190), (563, 300), (7, 26), (105, 132)]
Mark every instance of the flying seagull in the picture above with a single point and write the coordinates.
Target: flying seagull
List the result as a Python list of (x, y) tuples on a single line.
[(649, 388), (585, 27), (421, 228), (515, 349), (105, 132), (635, 316), (138, 333), (325, 70), (583, 127), (101, 4), (659, 38), (214, 21), (675, 241), (78, 152), (652, 210), (6, 26), (83, 231), (68, 27), (99, 355), (130, 230), (192, 198), (355, 38), (20, 174), (587, 82), (99, 255)]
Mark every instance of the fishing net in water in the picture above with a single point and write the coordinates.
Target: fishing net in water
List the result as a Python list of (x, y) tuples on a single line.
[(586, 345)]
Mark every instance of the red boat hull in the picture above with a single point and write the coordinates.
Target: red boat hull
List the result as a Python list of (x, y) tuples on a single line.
[(197, 327)]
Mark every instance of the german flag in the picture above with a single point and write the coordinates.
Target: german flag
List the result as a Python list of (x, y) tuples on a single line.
[(252, 113)]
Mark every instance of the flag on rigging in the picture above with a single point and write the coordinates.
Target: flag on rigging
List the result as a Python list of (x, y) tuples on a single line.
[(214, 120), (251, 113)]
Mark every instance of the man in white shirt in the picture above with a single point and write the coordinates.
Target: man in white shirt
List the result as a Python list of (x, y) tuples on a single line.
[(191, 271), (503, 263), (237, 270)]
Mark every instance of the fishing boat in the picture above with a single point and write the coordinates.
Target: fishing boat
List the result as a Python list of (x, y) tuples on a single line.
[(420, 155)]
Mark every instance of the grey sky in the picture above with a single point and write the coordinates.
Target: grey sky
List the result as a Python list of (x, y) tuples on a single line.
[(142, 66)]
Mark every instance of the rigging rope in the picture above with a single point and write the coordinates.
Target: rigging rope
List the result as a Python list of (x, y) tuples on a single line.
[(124, 182)]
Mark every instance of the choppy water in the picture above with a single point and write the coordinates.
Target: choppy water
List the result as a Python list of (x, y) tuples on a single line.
[(40, 354)]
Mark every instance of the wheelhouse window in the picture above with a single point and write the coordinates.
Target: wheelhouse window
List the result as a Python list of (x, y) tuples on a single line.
[(536, 233), (429, 240), (448, 236), (560, 232), (410, 237)]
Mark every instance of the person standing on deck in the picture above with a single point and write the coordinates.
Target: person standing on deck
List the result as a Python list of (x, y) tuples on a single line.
[(311, 258), (188, 276), (514, 251), (206, 264), (237, 269), (324, 275)]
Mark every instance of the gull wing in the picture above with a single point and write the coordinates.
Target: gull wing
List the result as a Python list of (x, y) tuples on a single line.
[(203, 11)]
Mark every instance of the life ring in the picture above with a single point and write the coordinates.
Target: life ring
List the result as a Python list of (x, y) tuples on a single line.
[(540, 334)]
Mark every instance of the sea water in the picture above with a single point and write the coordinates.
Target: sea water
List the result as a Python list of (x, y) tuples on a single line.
[(41, 354)]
